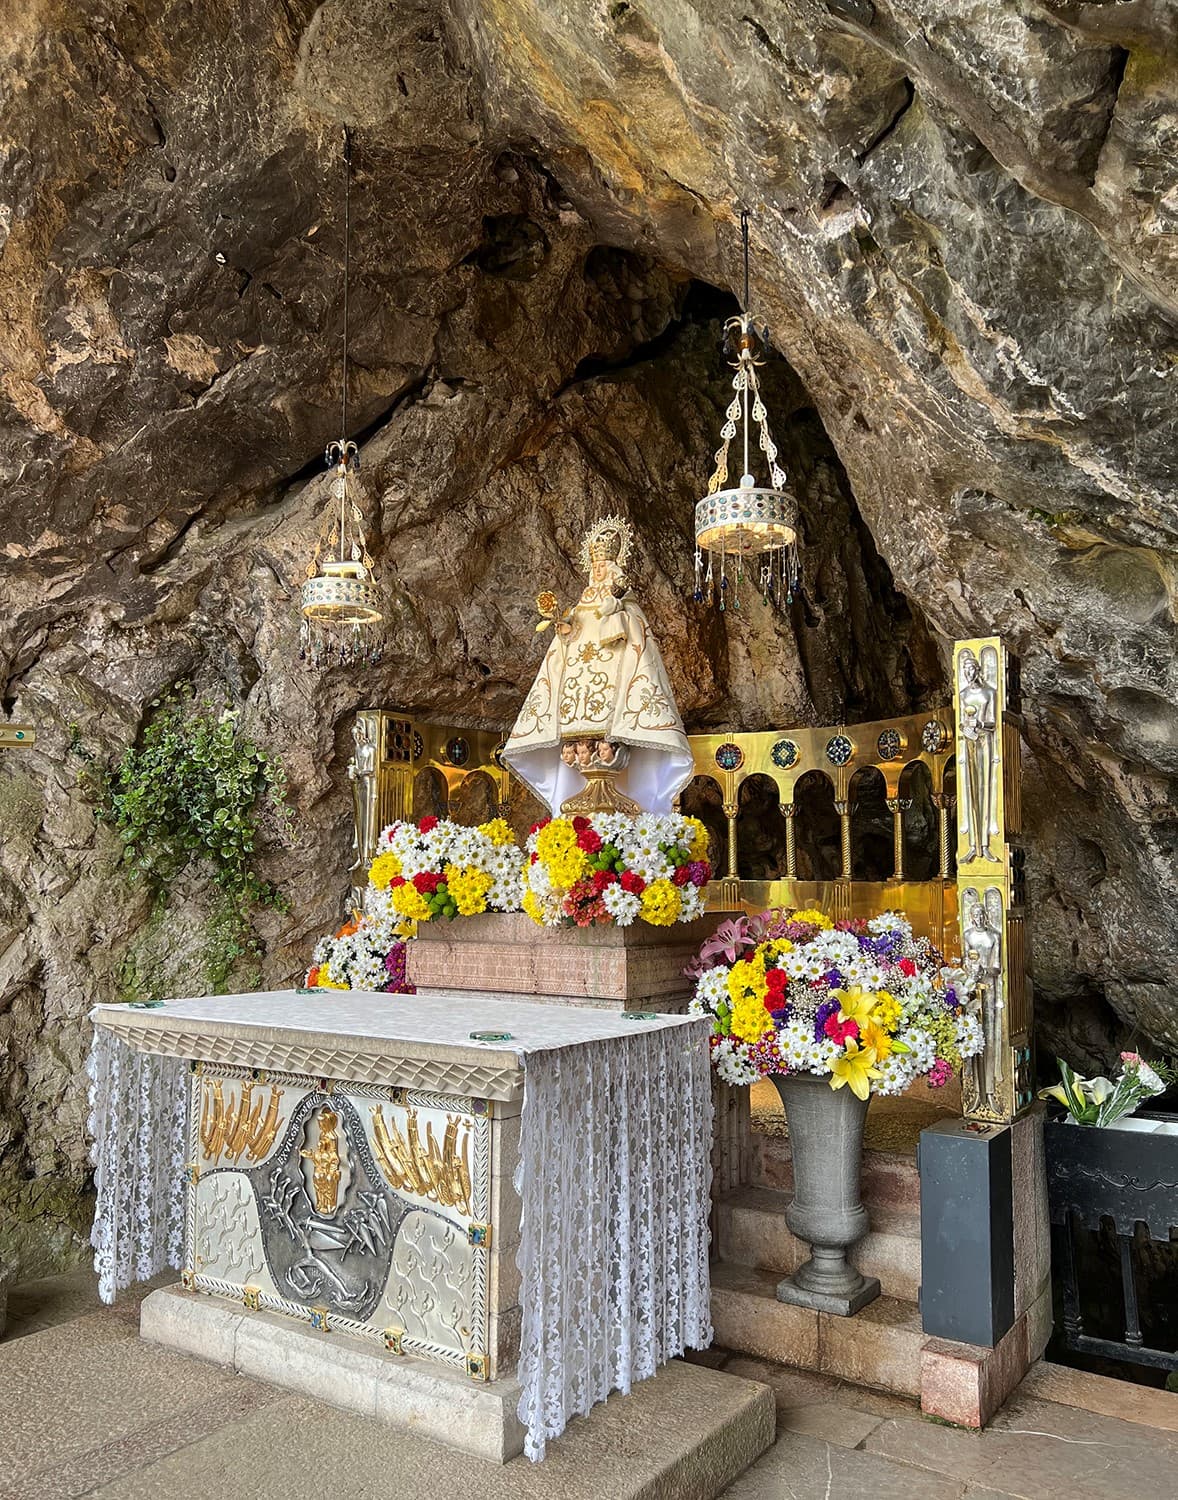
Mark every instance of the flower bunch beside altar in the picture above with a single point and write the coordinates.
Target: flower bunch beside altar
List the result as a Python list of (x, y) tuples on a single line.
[(438, 868), (863, 1003), (610, 868)]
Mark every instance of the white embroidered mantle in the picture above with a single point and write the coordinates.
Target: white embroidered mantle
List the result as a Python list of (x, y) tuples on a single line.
[(614, 1170)]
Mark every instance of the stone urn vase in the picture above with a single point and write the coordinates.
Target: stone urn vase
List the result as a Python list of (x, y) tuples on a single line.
[(826, 1139)]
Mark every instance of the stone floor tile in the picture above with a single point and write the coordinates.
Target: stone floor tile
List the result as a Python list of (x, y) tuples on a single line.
[(1097, 1393), (951, 1451), (803, 1468), (297, 1449), (806, 1387), (36, 1305), (842, 1425), (87, 1383)]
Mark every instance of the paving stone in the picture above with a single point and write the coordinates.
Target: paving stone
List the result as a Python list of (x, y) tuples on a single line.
[(680, 1436), (842, 1425), (88, 1383), (1097, 1393), (795, 1388), (803, 1468), (927, 1445)]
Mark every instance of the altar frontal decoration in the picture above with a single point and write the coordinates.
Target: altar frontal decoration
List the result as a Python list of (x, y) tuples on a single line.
[(611, 869), (751, 526), (341, 612), (599, 731), (438, 868), (862, 1003)]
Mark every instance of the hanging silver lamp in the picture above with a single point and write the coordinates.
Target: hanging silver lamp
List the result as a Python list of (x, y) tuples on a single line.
[(746, 536), (341, 610)]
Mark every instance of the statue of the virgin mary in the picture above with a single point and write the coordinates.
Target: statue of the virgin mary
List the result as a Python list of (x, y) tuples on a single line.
[(599, 730)]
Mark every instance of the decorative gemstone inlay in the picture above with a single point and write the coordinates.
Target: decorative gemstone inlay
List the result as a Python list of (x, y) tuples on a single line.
[(889, 744), (457, 751), (729, 757), (784, 754), (934, 736), (839, 749)]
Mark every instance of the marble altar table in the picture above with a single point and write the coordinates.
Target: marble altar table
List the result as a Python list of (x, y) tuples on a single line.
[(371, 1204)]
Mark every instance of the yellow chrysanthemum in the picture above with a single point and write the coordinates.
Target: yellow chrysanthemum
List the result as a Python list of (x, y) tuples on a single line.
[(498, 830), (409, 902), (661, 903), (815, 918), (384, 867), (531, 904), (780, 946), (324, 981), (887, 1010), (750, 1019), (699, 839), (469, 888), (856, 1068)]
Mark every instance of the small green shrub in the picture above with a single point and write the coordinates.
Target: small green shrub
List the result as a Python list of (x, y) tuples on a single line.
[(190, 793)]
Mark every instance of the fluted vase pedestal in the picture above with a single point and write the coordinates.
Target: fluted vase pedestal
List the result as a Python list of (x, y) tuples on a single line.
[(826, 1142)]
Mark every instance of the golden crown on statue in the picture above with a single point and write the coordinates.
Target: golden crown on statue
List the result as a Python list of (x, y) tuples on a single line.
[(609, 541)]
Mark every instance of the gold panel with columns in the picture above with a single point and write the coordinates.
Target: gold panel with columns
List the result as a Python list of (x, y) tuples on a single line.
[(973, 908)]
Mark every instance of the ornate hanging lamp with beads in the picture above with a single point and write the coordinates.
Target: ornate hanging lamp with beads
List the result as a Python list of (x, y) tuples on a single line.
[(747, 536), (340, 599)]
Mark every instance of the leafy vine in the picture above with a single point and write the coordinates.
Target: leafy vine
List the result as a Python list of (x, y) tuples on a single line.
[(190, 792)]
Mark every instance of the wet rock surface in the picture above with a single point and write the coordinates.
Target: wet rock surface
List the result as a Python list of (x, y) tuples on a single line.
[(964, 243)]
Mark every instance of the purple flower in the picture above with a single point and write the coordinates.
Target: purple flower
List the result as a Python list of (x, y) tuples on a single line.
[(394, 962), (823, 1014), (951, 997), (697, 873), (833, 978)]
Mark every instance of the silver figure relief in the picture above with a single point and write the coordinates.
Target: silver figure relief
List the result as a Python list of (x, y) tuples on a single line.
[(981, 941), (977, 699), (365, 798)]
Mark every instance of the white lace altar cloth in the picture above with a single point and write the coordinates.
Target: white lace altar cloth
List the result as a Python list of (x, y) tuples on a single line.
[(614, 1171)]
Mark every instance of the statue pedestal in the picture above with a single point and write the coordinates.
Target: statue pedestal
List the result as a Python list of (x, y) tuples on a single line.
[(613, 968)]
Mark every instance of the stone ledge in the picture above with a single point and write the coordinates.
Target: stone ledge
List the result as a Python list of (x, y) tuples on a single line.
[(411, 1394), (751, 1231), (685, 1434)]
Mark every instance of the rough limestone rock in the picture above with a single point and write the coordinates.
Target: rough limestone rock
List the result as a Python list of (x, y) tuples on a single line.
[(964, 242)]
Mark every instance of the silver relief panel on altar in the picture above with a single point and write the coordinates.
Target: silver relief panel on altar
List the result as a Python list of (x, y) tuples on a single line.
[(364, 1209)]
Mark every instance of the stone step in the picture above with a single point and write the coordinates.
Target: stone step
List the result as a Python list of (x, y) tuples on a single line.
[(880, 1346), (890, 1181), (750, 1230)]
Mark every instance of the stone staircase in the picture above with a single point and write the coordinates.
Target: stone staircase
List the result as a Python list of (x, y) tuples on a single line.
[(882, 1345)]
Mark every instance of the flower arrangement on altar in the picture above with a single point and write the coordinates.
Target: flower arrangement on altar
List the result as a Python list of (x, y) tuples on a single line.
[(438, 868), (367, 953), (610, 867), (862, 1002)]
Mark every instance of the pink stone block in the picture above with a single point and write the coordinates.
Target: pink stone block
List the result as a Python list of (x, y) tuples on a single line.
[(966, 1384), (626, 967)]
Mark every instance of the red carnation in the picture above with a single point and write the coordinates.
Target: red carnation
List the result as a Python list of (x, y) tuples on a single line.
[(428, 882), (580, 824), (907, 967), (601, 879), (776, 980), (588, 840), (633, 883), (397, 880), (428, 824), (681, 876)]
